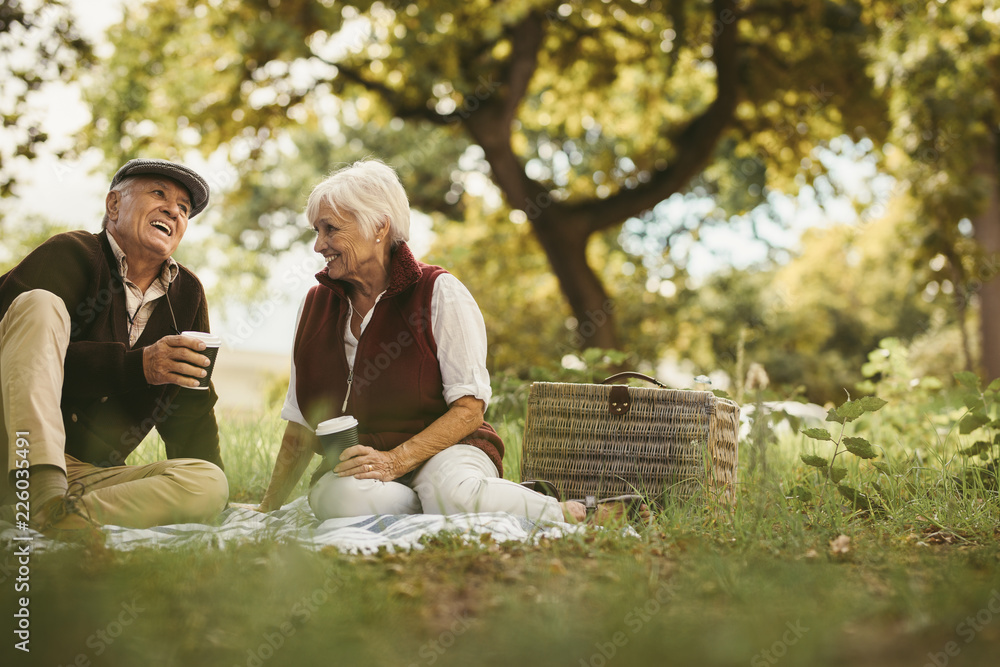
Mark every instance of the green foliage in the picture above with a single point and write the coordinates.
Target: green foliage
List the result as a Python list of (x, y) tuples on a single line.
[(583, 115), (972, 422), (936, 62), (815, 461), (982, 417), (817, 434), (528, 324), (890, 372), (813, 321), (936, 65), (849, 411), (39, 44), (860, 447), (22, 235)]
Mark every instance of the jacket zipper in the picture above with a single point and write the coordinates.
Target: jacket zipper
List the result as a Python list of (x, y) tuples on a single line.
[(350, 380), (357, 355)]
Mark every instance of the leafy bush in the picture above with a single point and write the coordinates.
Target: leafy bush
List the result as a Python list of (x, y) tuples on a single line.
[(848, 412)]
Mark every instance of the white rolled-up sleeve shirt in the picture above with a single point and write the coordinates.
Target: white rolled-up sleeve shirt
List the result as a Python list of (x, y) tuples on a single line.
[(459, 331)]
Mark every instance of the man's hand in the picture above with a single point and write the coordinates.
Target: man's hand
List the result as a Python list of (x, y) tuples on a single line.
[(173, 360)]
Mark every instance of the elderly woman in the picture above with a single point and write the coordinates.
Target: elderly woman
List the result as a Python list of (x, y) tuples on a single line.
[(401, 346)]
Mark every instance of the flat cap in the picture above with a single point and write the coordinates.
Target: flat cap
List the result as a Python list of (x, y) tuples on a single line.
[(195, 184)]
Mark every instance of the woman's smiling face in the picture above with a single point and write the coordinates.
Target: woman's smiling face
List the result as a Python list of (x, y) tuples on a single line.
[(342, 245)]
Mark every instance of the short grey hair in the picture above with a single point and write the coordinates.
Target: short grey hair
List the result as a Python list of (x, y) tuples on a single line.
[(123, 188), (367, 192)]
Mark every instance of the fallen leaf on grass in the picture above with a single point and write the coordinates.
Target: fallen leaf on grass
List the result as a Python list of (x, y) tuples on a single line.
[(840, 545), (406, 589), (812, 553)]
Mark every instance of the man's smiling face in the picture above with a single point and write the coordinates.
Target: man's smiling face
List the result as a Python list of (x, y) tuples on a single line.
[(148, 217)]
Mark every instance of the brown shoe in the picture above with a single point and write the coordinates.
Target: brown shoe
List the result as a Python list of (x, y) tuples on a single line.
[(65, 518), (618, 509)]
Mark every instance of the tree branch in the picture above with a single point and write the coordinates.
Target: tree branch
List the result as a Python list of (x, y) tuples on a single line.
[(783, 11), (392, 97), (695, 144), (491, 119)]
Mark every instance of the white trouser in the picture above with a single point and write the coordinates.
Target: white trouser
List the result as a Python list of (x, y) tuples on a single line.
[(459, 479)]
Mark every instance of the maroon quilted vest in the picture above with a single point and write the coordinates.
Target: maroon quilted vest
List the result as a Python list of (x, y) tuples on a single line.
[(396, 390)]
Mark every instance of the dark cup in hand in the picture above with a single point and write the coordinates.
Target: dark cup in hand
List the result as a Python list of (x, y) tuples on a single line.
[(212, 343), (335, 435)]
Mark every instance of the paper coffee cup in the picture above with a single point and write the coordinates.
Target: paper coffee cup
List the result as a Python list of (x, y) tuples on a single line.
[(212, 343), (336, 435)]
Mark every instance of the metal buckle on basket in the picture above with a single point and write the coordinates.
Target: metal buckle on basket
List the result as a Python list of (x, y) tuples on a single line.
[(619, 400)]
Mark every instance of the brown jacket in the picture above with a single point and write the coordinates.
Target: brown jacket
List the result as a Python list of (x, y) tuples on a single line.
[(107, 405)]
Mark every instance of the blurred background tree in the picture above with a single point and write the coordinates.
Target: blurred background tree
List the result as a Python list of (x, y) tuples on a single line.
[(938, 66), (39, 44), (582, 114), (572, 154)]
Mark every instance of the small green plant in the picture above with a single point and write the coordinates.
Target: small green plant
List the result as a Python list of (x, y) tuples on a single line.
[(981, 420), (848, 412)]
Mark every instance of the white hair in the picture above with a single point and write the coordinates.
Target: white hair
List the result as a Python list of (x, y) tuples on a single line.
[(369, 193), (124, 188)]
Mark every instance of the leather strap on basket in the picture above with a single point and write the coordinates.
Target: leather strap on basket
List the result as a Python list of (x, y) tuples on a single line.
[(637, 376), (619, 400)]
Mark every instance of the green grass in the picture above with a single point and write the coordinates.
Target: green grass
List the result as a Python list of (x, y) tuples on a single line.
[(760, 585)]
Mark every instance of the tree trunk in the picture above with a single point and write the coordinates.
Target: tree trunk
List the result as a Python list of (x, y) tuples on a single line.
[(987, 233), (960, 280), (564, 229), (565, 245)]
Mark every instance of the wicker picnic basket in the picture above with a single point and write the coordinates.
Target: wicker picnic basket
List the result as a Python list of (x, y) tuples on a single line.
[(606, 440)]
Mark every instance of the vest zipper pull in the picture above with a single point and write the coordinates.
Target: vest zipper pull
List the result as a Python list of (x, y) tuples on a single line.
[(350, 380)]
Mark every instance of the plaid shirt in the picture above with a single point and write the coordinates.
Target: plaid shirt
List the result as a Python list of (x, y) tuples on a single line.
[(140, 306)]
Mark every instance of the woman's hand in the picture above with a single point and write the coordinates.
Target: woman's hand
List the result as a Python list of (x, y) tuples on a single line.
[(464, 416), (363, 462), (298, 445)]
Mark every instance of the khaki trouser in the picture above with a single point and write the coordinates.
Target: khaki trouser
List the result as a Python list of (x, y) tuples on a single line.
[(34, 335)]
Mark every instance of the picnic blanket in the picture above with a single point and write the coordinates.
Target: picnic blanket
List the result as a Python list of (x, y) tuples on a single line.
[(295, 522)]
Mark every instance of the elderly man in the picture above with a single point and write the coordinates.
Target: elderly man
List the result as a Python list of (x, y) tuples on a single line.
[(91, 361)]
